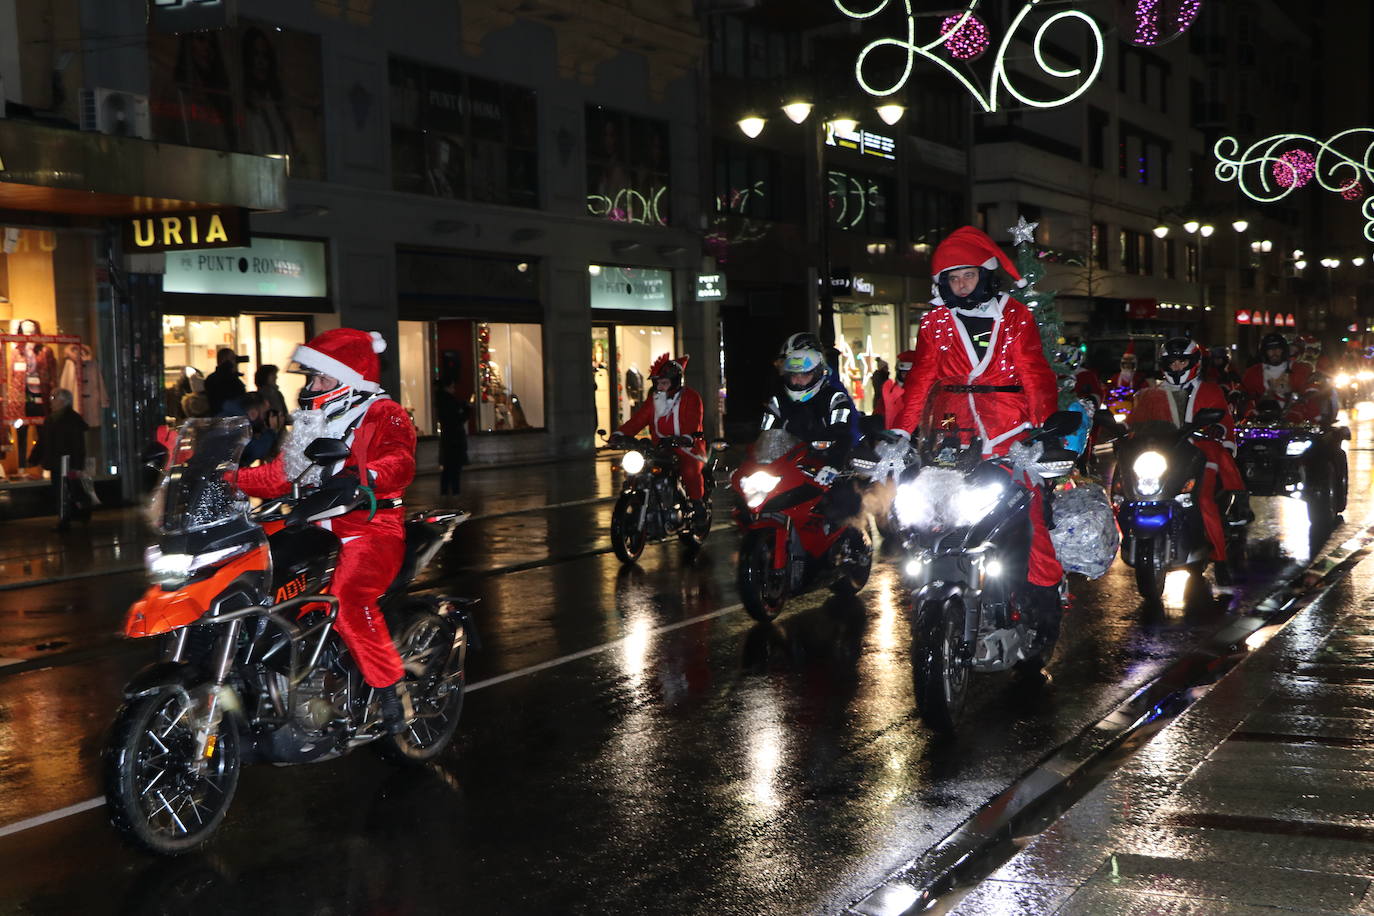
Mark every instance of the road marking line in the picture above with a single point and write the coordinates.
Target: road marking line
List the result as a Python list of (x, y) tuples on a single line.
[(91, 804)]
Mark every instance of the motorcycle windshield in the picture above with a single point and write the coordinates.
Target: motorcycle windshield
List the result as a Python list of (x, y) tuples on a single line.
[(949, 436), (772, 444), (200, 488)]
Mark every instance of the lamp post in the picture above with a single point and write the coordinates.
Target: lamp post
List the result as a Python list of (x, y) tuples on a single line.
[(798, 111)]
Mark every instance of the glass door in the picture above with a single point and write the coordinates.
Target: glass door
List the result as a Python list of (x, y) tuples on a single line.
[(601, 376), (636, 348)]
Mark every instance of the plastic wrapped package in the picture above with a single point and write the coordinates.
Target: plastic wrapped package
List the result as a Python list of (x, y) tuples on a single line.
[(1085, 535)]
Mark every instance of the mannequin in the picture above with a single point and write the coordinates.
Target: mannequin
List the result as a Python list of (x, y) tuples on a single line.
[(81, 376), (31, 380)]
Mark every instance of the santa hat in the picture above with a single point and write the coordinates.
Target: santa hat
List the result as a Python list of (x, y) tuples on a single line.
[(1130, 349), (971, 247), (347, 354), (656, 369), (905, 360)]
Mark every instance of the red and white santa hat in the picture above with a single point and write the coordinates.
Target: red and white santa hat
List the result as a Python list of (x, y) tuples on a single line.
[(970, 247), (347, 354)]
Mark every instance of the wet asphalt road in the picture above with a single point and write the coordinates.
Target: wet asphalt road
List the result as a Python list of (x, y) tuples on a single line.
[(687, 760)]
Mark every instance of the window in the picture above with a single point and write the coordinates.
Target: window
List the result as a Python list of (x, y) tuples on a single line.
[(751, 183), (497, 367), (1098, 243), (935, 213), (1098, 125), (1137, 254), (627, 167), (862, 203), (453, 135), (1190, 253)]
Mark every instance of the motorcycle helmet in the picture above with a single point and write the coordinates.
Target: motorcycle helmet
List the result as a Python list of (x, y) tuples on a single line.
[(801, 363), (905, 360), (671, 369), (1274, 342), (1069, 355), (346, 356), (1180, 350), (964, 248), (987, 289), (1220, 356)]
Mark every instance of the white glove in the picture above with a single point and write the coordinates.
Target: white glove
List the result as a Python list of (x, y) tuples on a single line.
[(826, 475)]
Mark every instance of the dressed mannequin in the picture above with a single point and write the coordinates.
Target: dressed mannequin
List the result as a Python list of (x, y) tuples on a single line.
[(81, 376), (634, 386), (30, 383)]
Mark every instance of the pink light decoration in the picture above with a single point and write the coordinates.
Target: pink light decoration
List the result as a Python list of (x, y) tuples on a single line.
[(1353, 191), (1294, 168), (1155, 22), (1187, 13), (968, 41), (1147, 23)]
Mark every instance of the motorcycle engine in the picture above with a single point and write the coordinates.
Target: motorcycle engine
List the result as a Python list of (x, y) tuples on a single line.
[(320, 699)]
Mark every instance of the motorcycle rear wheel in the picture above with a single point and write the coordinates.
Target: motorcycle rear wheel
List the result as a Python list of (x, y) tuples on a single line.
[(424, 645), (1149, 571), (156, 799), (695, 530), (940, 677), (762, 589), (858, 563), (627, 538)]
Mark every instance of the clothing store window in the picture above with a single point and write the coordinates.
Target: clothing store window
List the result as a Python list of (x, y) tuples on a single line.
[(498, 367), (864, 334), (415, 362)]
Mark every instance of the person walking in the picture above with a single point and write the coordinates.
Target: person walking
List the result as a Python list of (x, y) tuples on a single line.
[(452, 415), (226, 382), (63, 435)]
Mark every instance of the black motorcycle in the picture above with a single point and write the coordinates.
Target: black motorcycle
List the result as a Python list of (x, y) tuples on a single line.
[(653, 506), (1156, 488), (1280, 457), (966, 524)]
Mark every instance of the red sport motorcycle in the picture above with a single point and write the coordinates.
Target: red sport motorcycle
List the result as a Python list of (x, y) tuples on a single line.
[(788, 547)]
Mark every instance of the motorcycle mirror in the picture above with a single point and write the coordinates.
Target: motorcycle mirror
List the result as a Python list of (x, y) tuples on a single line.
[(326, 451), (1062, 423), (155, 456), (601, 433), (1208, 416)]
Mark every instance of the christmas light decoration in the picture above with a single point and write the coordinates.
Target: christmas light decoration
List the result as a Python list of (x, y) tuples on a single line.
[(966, 37), (1151, 23), (1271, 169), (1000, 80)]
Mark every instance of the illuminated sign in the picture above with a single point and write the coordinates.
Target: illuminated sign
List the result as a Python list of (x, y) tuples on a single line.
[(861, 141), (183, 230), (990, 100), (267, 267), (1242, 317), (640, 288), (710, 287)]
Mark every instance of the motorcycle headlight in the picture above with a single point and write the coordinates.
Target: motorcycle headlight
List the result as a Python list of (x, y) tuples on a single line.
[(632, 462), (1365, 375), (1149, 470), (971, 504), (1122, 417), (1298, 447), (172, 568), (908, 503), (1342, 380), (757, 486)]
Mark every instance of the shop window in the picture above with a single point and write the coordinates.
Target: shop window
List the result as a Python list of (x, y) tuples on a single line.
[(627, 167), (454, 135), (865, 334), (498, 368), (415, 362)]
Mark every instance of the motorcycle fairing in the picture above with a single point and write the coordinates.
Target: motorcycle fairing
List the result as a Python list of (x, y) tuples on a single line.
[(160, 611)]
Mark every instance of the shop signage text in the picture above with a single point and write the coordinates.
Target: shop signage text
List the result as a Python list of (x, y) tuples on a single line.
[(861, 141), (710, 287), (189, 230), (641, 288), (268, 267)]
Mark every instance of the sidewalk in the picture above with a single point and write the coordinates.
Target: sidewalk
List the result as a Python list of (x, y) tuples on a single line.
[(32, 553), (1260, 797)]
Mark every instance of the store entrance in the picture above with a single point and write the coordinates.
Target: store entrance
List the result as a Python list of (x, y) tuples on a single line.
[(622, 355), (190, 344)]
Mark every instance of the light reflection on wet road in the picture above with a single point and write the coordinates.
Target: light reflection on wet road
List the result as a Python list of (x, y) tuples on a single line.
[(721, 767)]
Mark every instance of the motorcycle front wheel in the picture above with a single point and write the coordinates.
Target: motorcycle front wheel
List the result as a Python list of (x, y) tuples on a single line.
[(940, 676), (856, 562), (627, 537), (1149, 570), (158, 797), (762, 589), (436, 694)]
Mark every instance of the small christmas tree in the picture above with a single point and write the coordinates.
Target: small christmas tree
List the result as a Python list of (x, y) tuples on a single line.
[(1041, 303)]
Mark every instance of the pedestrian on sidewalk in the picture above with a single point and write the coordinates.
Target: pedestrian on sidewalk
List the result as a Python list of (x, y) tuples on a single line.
[(63, 435), (266, 380), (226, 382), (452, 415)]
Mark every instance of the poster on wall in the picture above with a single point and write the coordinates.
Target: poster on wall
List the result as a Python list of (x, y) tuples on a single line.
[(251, 88)]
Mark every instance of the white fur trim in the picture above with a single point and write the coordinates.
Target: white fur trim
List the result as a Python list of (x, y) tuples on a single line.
[(378, 342), (323, 362), (991, 263)]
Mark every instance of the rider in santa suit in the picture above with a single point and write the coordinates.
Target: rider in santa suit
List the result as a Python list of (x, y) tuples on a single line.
[(1129, 377), (343, 390), (674, 410), (1180, 396), (981, 334)]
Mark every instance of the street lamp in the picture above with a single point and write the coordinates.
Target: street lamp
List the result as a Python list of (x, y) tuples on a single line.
[(798, 110)]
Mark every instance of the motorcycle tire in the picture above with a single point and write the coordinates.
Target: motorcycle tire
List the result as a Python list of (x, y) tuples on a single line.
[(762, 589), (859, 563), (1149, 571), (939, 676), (695, 530), (1341, 470), (152, 742), (627, 538), (435, 697), (1321, 500)]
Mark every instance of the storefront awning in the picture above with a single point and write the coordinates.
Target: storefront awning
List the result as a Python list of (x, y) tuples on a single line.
[(52, 170)]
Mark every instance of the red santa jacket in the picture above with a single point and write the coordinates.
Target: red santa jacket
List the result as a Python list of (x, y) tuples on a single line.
[(1013, 357), (1161, 403), (680, 416), (382, 455), (1088, 384), (1136, 382), (1253, 380)]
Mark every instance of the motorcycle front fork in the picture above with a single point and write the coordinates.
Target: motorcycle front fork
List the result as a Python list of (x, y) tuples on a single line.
[(208, 728)]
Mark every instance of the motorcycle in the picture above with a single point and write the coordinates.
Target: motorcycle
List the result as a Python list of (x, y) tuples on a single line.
[(1281, 457), (653, 506), (1120, 400), (252, 667), (1155, 492), (788, 547), (965, 519)]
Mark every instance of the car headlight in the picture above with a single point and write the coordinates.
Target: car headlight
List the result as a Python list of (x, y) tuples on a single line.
[(632, 462), (1298, 447), (170, 568), (757, 486)]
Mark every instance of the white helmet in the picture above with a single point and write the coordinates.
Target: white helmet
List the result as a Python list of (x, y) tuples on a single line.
[(802, 354)]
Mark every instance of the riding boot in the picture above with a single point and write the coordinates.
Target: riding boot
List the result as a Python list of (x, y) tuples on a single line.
[(1221, 571), (1239, 512), (393, 712), (1045, 605)]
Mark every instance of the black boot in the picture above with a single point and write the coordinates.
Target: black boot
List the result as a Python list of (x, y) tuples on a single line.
[(1046, 607), (1239, 512), (393, 712)]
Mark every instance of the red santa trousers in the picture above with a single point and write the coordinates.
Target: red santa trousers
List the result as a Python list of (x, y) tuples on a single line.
[(1044, 564), (367, 566), (1220, 467)]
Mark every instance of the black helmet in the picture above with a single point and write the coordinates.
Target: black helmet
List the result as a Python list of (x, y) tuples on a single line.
[(987, 289), (1178, 349), (1221, 356), (1271, 342)]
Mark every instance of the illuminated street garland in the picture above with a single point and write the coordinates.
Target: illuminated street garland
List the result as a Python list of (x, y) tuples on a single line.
[(1145, 20), (1001, 81), (966, 37), (1272, 168)]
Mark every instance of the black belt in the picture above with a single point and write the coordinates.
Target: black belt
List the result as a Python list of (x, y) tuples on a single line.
[(983, 389), (394, 503)]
